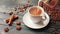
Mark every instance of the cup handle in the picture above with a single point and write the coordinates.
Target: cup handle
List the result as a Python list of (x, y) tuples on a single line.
[(44, 17)]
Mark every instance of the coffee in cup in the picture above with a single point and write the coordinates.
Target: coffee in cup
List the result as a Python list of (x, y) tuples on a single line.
[(36, 13)]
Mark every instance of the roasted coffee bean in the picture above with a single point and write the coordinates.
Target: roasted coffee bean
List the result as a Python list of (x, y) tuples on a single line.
[(18, 27), (6, 29), (18, 23), (11, 13)]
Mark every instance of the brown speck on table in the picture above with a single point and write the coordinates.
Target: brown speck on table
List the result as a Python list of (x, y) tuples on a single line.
[(59, 33), (18, 23), (7, 20), (6, 29), (11, 13), (53, 29), (17, 12), (21, 9), (4, 12), (15, 8), (28, 1), (53, 21), (18, 27), (53, 32)]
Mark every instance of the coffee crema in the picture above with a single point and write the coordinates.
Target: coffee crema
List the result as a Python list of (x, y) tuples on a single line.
[(35, 11)]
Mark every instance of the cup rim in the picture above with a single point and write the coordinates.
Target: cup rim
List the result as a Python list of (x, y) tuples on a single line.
[(38, 7)]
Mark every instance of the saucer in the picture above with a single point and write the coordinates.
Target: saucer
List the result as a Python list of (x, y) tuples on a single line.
[(29, 23)]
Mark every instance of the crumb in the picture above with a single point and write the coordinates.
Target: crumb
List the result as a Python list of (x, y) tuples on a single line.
[(4, 12)]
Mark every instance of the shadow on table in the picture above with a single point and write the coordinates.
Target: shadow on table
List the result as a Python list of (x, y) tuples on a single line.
[(40, 30)]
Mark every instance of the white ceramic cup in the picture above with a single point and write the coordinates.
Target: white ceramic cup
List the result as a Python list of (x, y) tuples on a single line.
[(37, 18)]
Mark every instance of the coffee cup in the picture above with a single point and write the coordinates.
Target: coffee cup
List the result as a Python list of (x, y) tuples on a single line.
[(36, 14)]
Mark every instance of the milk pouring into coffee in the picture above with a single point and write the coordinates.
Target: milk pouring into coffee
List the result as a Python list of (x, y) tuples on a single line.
[(36, 14)]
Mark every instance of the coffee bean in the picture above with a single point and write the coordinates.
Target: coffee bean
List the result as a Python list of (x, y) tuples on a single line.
[(18, 27), (53, 32), (59, 33), (6, 29), (11, 13), (18, 23)]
